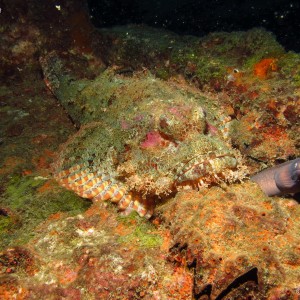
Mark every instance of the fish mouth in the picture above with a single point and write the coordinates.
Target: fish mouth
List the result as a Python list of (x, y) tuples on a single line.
[(209, 168)]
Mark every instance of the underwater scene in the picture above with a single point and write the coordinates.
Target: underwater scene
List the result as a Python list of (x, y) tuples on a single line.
[(149, 150)]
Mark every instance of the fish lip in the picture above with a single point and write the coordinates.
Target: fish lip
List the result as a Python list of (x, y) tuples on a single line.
[(186, 168)]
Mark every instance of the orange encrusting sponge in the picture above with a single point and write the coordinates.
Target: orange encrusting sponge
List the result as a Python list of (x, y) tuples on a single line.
[(264, 67)]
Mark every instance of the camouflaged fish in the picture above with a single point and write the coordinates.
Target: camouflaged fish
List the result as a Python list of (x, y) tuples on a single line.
[(140, 139)]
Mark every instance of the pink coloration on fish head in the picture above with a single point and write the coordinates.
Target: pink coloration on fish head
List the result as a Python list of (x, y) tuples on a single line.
[(153, 139)]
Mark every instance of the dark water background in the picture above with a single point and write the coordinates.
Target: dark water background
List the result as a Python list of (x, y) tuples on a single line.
[(282, 17)]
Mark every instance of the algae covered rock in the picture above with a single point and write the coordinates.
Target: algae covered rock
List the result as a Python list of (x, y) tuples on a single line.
[(239, 242), (201, 60)]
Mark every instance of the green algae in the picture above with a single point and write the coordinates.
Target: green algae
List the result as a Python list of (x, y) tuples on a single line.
[(143, 233), (162, 73), (289, 66), (201, 59), (7, 224), (31, 206), (221, 50)]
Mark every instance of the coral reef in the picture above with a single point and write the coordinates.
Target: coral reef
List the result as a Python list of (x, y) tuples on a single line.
[(202, 60), (225, 105)]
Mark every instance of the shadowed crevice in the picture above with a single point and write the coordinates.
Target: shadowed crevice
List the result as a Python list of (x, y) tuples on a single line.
[(251, 275)]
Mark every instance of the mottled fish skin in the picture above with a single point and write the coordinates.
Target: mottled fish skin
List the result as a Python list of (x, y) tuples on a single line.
[(281, 179), (100, 187), (140, 140)]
